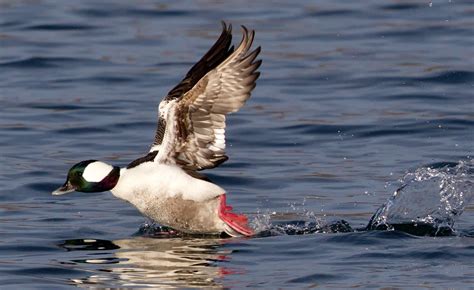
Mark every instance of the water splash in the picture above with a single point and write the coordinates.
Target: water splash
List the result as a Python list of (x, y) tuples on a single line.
[(296, 221), (429, 199), (261, 221), (427, 202)]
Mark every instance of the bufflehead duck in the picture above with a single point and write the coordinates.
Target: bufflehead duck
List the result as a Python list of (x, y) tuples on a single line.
[(165, 185)]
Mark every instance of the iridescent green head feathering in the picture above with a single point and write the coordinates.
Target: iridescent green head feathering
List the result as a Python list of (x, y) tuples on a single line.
[(90, 176)]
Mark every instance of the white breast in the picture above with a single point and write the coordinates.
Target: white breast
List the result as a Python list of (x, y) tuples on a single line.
[(150, 180)]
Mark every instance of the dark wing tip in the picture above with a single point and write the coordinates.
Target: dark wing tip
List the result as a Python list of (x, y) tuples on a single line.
[(225, 27), (257, 50), (257, 64), (214, 56), (246, 31), (250, 34), (217, 161)]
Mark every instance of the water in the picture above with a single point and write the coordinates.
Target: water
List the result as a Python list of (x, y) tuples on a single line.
[(355, 100), (435, 195)]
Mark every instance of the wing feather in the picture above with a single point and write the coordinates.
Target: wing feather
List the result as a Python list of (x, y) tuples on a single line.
[(194, 135), (216, 54)]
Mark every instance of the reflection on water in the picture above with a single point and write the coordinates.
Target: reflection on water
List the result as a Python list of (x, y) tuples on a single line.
[(179, 261), (146, 262)]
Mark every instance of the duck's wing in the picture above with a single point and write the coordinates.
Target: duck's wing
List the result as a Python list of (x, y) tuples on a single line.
[(191, 127)]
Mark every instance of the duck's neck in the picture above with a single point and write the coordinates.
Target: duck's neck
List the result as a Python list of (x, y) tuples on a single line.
[(111, 180), (120, 189)]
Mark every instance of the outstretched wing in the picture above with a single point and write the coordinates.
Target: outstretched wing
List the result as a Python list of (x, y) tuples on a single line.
[(216, 54), (191, 131)]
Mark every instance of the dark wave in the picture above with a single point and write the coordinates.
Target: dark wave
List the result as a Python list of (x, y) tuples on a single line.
[(416, 96), (450, 77), (119, 12), (47, 62), (60, 26), (40, 186), (26, 248), (82, 130), (428, 127), (323, 129), (56, 107), (328, 13), (97, 79), (318, 277), (427, 32), (402, 6), (425, 127), (454, 77), (10, 23)]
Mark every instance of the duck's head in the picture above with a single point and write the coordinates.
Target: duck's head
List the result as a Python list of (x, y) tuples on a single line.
[(90, 176)]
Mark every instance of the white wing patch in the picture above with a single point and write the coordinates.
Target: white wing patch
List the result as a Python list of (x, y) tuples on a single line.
[(163, 111), (96, 171)]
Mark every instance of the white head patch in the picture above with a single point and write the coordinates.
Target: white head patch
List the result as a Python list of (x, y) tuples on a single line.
[(96, 171)]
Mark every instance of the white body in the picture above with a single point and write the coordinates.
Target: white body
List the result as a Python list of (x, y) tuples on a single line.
[(171, 197)]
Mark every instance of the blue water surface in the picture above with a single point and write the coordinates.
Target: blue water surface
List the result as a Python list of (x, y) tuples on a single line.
[(353, 95)]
